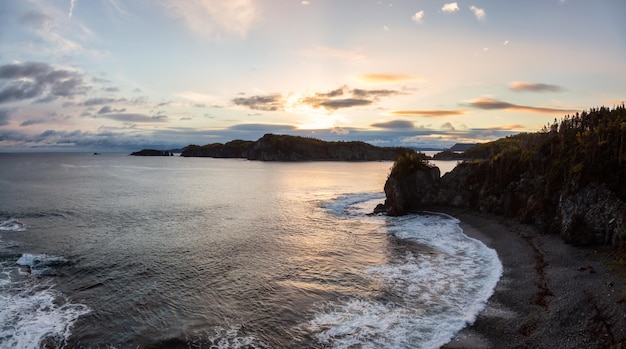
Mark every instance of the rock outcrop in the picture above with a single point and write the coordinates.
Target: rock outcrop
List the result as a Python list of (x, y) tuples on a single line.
[(592, 215), (152, 152)]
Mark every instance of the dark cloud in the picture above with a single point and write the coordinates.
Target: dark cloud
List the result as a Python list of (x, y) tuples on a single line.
[(132, 117), (334, 104), (340, 98), (272, 102), (100, 80), (32, 122), (349, 98), (493, 104), (36, 20), (394, 124), (534, 87), (5, 115), (24, 81), (112, 89), (101, 100), (107, 110)]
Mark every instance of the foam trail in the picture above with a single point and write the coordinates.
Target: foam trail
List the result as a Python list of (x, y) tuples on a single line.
[(436, 293)]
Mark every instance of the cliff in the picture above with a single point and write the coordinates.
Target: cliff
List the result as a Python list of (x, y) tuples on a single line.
[(568, 179), (293, 148)]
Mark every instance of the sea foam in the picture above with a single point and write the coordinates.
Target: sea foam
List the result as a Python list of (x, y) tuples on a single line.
[(11, 224), (435, 293)]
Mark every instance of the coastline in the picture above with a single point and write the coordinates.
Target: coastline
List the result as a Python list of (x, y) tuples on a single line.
[(550, 295)]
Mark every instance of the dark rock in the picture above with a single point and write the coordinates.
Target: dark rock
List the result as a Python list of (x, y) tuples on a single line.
[(151, 152)]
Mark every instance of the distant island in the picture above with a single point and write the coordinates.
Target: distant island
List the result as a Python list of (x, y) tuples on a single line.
[(272, 147), (152, 152)]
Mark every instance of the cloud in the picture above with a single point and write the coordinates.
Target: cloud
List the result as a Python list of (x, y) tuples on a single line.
[(417, 17), (345, 97), (5, 115), (340, 98), (534, 87), (72, 4), (478, 12), (305, 2), (340, 131), (32, 122), (385, 78), (271, 102), (394, 124), (133, 117), (31, 80), (36, 20), (213, 18), (492, 104), (451, 7), (447, 127), (101, 100), (107, 110), (429, 113)]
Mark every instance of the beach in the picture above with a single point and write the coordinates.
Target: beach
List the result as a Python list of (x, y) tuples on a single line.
[(551, 295)]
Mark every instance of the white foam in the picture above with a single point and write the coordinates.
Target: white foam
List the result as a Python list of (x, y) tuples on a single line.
[(12, 224), (354, 204), (437, 292), (228, 338), (32, 315)]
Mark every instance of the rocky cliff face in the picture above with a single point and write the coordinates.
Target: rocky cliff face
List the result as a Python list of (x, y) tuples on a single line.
[(590, 215)]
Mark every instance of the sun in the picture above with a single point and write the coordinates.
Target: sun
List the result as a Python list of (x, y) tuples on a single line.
[(313, 118)]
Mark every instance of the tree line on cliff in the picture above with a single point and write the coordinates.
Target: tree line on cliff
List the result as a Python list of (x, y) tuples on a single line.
[(569, 178)]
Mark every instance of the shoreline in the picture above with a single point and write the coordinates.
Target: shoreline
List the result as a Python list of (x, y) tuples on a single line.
[(550, 295)]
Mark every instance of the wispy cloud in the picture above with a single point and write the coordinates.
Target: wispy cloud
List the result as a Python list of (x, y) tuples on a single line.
[(72, 4), (534, 87), (451, 7), (135, 117), (493, 104), (386, 78), (429, 113), (418, 16), (214, 18), (478, 12)]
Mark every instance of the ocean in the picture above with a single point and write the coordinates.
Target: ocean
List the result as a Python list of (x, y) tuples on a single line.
[(115, 251)]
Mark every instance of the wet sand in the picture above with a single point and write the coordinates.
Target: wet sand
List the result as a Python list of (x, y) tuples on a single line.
[(551, 295)]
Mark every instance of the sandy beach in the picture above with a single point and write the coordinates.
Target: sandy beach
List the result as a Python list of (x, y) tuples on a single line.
[(551, 295)]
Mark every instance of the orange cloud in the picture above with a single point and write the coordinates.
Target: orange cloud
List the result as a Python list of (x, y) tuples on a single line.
[(429, 113), (385, 78)]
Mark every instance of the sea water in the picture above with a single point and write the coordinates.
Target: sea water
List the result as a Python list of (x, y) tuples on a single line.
[(115, 251)]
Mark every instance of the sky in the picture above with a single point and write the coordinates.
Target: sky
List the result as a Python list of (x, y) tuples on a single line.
[(114, 75)]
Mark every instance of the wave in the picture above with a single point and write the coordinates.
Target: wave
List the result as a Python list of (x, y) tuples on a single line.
[(433, 293), (33, 314), (11, 224)]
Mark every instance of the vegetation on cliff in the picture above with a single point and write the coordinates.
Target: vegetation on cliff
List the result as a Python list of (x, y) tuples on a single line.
[(569, 178), (294, 148)]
